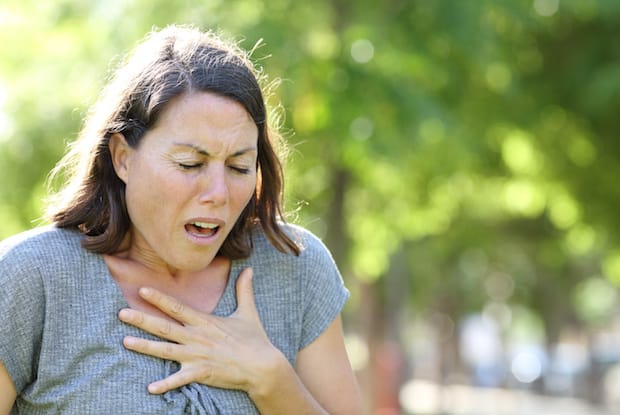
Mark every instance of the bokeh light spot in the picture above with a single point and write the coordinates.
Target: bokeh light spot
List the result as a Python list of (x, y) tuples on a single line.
[(546, 8), (362, 51), (361, 128), (498, 77), (526, 367)]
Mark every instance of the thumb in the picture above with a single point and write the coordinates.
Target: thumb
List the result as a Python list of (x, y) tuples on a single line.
[(245, 294)]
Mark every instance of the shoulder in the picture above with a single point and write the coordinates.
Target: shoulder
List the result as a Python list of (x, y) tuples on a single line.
[(312, 248), (38, 245), (41, 238), (314, 266)]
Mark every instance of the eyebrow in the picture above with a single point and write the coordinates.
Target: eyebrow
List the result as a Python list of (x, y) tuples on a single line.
[(205, 153)]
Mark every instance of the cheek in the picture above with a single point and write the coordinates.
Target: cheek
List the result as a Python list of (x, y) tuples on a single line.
[(243, 193), (142, 201), (148, 188)]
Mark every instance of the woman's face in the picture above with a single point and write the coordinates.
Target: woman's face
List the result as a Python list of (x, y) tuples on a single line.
[(188, 181)]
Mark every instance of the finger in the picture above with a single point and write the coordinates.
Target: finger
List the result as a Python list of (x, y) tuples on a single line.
[(245, 294), (162, 350), (174, 381), (171, 306), (158, 326)]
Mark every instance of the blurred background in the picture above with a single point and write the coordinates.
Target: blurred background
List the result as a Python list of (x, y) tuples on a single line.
[(459, 158)]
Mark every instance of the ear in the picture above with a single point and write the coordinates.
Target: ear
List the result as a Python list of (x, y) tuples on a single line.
[(120, 152)]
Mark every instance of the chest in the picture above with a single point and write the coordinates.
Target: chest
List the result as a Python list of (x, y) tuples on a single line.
[(200, 291)]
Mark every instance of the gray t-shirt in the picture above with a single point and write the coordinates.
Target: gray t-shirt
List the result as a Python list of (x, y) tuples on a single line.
[(60, 337)]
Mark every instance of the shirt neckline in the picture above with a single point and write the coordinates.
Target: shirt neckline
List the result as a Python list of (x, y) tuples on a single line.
[(226, 304)]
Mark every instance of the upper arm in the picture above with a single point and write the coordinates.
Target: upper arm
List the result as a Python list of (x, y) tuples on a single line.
[(23, 313), (323, 366), (8, 395)]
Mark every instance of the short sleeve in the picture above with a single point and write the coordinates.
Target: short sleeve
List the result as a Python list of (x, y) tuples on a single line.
[(22, 309), (324, 293)]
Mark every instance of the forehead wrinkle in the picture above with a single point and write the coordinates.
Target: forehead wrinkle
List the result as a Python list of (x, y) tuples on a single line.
[(194, 147), (205, 153)]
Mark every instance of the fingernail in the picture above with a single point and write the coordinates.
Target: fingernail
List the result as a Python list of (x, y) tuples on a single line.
[(124, 314), (129, 341), (145, 291)]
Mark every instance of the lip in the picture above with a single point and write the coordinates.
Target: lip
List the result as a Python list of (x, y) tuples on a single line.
[(204, 239)]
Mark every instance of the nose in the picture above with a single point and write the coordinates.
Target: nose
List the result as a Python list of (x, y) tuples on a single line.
[(213, 185)]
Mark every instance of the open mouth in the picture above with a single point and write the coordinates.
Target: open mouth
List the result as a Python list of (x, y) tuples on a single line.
[(202, 229)]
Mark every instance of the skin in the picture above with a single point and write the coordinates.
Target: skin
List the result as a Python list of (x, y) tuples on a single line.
[(199, 164), (8, 395)]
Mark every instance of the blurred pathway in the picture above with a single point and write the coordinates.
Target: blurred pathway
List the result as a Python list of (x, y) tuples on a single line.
[(419, 397)]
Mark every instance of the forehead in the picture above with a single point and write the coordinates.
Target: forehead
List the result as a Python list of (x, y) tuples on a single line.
[(204, 104), (206, 119)]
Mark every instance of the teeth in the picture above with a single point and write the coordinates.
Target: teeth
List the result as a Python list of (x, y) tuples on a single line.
[(205, 225)]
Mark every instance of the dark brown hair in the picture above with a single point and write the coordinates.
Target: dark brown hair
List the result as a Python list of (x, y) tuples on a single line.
[(168, 63)]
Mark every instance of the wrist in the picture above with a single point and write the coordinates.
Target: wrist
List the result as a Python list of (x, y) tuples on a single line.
[(274, 370)]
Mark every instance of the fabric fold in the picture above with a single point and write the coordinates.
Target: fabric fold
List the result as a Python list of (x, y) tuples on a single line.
[(192, 399)]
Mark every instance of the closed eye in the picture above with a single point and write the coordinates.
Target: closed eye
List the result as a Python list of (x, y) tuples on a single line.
[(190, 166), (240, 170)]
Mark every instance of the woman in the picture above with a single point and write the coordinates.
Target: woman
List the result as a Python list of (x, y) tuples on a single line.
[(167, 264)]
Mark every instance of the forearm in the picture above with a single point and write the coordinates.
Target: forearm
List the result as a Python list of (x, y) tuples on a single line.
[(7, 389), (283, 392)]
